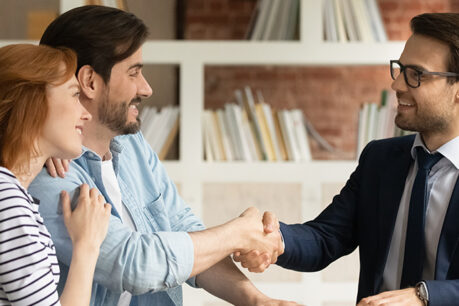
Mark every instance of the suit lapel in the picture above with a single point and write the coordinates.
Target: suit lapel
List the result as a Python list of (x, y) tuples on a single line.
[(447, 245), (391, 188)]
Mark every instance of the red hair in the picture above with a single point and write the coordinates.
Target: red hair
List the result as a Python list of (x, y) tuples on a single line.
[(25, 72)]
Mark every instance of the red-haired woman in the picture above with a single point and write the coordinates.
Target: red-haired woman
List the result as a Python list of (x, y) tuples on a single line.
[(41, 117)]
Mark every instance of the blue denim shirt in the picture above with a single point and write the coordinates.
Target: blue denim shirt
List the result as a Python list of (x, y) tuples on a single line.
[(151, 262)]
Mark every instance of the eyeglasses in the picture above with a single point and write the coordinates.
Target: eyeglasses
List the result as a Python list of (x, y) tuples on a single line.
[(413, 74)]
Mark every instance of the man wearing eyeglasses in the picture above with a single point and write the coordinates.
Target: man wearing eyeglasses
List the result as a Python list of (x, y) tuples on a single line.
[(401, 204)]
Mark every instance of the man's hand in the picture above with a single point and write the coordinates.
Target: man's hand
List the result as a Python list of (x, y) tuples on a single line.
[(57, 166), (256, 261), (402, 297), (256, 238)]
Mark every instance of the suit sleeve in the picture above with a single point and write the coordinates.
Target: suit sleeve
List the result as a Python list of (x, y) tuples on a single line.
[(313, 245), (443, 292)]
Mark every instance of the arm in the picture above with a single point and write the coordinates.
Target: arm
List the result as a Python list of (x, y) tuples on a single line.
[(239, 235), (225, 281), (87, 226), (313, 245), (140, 262), (27, 266)]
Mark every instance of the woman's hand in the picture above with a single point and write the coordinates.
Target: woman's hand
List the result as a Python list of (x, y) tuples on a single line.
[(87, 224)]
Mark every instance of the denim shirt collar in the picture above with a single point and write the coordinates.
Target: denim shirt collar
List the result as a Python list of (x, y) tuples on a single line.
[(115, 149)]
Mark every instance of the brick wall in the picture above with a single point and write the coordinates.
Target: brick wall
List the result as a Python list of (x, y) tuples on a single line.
[(329, 96)]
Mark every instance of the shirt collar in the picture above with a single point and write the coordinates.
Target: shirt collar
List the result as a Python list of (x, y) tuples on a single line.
[(449, 150), (115, 148)]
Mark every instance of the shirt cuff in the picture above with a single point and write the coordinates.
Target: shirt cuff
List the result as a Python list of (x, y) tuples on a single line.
[(179, 250)]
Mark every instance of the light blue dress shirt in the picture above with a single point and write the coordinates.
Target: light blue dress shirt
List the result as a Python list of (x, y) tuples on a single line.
[(151, 262)]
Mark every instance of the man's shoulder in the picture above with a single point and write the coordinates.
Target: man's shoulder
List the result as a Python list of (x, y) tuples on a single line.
[(382, 146), (43, 182)]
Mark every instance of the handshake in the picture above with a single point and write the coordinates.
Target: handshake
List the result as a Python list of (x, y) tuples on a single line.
[(259, 240)]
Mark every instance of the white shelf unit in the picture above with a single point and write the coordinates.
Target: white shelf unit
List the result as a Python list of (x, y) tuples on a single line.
[(191, 171)]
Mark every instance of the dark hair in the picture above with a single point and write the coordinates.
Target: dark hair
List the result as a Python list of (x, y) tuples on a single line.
[(26, 72), (101, 36), (444, 27)]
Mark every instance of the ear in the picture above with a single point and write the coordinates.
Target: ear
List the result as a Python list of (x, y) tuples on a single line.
[(89, 81)]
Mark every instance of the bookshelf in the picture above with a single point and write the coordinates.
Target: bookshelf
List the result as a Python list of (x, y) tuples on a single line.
[(317, 181)]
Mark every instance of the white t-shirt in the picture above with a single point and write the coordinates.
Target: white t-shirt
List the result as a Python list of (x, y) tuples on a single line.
[(113, 190)]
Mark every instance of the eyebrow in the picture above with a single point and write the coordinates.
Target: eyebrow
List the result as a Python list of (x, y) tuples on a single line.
[(138, 66), (74, 85), (415, 66)]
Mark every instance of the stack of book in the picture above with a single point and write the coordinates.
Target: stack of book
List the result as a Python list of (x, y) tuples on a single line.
[(274, 20), (250, 130), (160, 127), (353, 20), (376, 121)]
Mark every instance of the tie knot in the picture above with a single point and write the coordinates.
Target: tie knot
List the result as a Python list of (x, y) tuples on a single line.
[(426, 160)]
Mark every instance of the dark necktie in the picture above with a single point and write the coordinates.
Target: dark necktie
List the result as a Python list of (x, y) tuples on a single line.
[(413, 260)]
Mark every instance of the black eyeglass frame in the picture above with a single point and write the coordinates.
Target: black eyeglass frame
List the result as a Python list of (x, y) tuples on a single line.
[(419, 73)]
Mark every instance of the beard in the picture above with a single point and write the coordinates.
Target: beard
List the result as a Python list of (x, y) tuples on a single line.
[(114, 116), (425, 120)]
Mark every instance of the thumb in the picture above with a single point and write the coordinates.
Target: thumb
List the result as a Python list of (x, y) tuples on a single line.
[(65, 202), (270, 222)]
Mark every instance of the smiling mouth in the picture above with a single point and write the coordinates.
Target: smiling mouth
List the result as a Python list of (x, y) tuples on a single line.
[(79, 130), (405, 104)]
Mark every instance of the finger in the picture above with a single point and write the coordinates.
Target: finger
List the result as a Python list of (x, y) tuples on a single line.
[(65, 202), (108, 208), (50, 167), (274, 257), (59, 168), (253, 260), (261, 268), (65, 164), (270, 222), (238, 257), (94, 193), (84, 191)]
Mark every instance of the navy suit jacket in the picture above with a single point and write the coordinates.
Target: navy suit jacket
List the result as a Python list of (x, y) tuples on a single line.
[(363, 215)]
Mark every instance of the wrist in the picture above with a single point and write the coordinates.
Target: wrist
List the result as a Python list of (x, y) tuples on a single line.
[(238, 235), (85, 249), (422, 293)]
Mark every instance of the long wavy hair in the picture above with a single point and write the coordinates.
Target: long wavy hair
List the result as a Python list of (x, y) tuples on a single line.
[(25, 72)]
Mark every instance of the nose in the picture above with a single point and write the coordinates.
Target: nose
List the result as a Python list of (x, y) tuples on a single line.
[(143, 88), (399, 84), (85, 115)]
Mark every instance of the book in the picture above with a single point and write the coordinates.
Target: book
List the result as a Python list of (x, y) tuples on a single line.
[(230, 123), (268, 115), (227, 147), (339, 20), (248, 101), (376, 21), (169, 139), (260, 25), (218, 135), (272, 23), (292, 24), (286, 125), (300, 134), (271, 156), (362, 22), (349, 21)]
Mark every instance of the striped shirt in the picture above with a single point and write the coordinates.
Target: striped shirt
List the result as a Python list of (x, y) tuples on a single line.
[(29, 271)]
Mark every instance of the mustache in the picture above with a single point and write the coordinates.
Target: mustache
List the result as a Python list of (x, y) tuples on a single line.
[(399, 95), (135, 100)]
